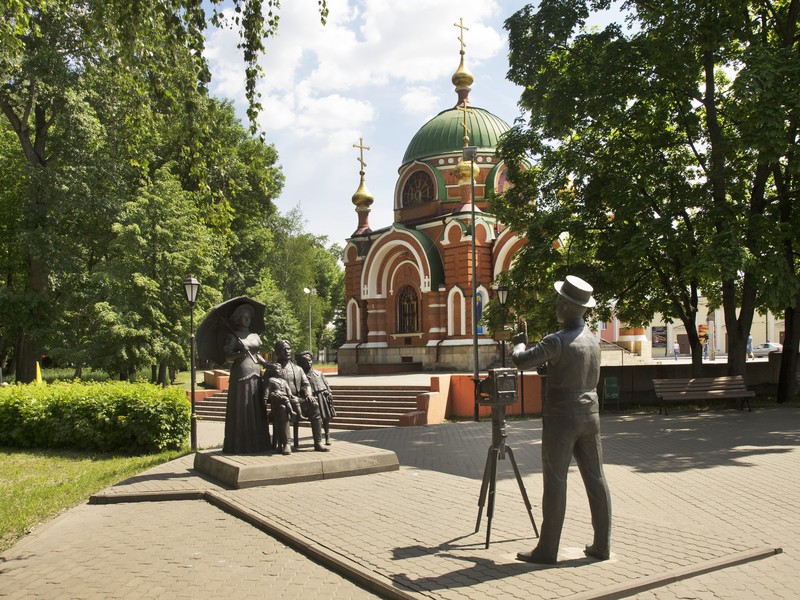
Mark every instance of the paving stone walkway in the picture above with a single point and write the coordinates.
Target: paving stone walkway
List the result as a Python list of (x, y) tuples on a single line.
[(701, 501)]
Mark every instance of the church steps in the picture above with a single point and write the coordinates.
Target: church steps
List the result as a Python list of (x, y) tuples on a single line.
[(357, 407), (212, 408), (401, 406), (374, 390)]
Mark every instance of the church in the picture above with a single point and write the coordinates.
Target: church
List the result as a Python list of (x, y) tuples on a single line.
[(409, 286)]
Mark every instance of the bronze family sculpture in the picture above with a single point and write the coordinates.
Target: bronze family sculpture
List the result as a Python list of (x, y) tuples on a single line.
[(321, 390), (284, 408), (570, 421), (246, 426), (301, 401)]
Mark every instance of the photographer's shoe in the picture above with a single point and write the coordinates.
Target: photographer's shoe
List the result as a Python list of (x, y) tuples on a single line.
[(593, 552), (537, 557)]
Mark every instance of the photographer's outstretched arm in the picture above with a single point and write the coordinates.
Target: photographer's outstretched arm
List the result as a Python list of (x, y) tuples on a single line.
[(541, 352)]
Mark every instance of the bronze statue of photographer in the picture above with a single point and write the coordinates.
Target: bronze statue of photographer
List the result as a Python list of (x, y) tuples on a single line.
[(570, 421)]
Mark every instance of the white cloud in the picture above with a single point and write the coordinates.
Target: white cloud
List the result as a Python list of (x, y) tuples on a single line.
[(225, 61), (364, 46), (405, 42), (377, 69), (311, 115), (421, 101)]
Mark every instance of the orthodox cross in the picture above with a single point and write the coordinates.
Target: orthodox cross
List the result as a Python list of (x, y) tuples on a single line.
[(463, 28), (463, 107), (362, 147)]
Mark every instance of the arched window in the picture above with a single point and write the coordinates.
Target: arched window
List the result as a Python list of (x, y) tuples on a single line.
[(407, 307), (418, 189)]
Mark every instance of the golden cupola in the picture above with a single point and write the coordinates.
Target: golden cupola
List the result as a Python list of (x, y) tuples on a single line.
[(362, 198)]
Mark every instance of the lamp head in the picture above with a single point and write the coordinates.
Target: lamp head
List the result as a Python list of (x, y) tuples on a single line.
[(191, 287), (502, 295)]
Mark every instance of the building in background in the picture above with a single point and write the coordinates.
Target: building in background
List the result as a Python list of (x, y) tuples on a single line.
[(409, 285)]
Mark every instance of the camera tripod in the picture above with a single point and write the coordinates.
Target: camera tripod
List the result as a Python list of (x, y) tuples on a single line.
[(497, 451)]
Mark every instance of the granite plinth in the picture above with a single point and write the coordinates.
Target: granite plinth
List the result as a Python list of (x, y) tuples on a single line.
[(251, 470)]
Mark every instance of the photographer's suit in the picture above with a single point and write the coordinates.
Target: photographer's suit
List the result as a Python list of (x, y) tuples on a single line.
[(570, 422)]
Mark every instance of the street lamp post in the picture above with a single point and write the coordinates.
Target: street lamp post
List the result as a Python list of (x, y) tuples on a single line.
[(469, 153), (502, 297), (191, 287), (310, 292)]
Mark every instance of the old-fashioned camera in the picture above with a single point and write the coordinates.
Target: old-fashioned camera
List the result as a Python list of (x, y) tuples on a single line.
[(499, 388)]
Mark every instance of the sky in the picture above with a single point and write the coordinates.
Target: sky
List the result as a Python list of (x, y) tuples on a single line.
[(378, 70)]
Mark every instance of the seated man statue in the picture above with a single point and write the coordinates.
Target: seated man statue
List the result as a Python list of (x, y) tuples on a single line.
[(300, 390)]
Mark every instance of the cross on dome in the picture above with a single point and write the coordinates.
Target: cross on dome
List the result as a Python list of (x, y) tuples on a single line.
[(463, 28), (462, 78), (465, 109), (362, 147)]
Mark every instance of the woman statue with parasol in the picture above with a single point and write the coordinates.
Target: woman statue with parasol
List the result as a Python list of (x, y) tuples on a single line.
[(246, 428)]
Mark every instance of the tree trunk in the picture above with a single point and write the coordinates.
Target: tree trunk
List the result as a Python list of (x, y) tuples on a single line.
[(30, 345), (787, 378), (3, 355), (738, 327), (25, 357), (78, 372), (162, 373), (697, 351)]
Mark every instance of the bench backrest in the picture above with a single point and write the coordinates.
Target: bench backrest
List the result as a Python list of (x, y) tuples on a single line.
[(699, 384)]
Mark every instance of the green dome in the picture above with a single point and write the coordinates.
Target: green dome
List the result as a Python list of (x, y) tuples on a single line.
[(444, 134)]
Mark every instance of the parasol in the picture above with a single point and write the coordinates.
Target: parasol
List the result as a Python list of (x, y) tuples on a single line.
[(217, 326)]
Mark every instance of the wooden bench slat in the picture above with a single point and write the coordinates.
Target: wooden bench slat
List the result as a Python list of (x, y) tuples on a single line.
[(701, 388)]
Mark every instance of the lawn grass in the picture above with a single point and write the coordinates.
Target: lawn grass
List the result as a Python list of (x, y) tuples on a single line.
[(182, 378), (37, 485)]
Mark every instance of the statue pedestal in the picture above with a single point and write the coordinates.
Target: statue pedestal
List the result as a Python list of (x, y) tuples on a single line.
[(251, 470)]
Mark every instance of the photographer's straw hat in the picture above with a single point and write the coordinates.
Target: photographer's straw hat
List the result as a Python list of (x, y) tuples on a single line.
[(576, 290)]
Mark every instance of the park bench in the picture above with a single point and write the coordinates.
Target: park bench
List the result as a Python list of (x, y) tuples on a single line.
[(701, 388)]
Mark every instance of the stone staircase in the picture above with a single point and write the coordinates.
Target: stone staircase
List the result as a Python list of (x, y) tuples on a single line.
[(372, 407), (357, 407), (212, 408)]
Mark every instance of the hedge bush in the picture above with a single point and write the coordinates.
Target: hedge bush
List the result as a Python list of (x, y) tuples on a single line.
[(133, 418)]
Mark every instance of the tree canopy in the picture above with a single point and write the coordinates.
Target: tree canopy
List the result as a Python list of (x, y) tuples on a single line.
[(124, 177), (663, 155)]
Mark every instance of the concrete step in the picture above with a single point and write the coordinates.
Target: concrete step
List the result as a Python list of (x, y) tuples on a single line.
[(357, 423), (378, 391), (394, 408), (357, 407), (371, 401)]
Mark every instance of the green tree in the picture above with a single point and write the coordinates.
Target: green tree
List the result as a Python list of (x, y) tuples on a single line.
[(159, 239), (329, 283), (242, 180), (300, 260), (281, 321), (12, 266), (669, 137), (50, 51)]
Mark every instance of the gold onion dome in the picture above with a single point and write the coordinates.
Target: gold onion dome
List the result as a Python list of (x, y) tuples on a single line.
[(463, 169), (463, 80), (362, 198)]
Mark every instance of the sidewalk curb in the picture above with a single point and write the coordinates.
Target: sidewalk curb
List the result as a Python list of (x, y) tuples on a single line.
[(345, 567), (657, 581), (327, 557), (101, 498)]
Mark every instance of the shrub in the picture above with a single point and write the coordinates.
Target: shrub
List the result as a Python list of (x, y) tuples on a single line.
[(134, 418)]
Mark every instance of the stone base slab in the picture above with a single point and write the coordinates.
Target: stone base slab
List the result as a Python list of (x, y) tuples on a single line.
[(251, 470)]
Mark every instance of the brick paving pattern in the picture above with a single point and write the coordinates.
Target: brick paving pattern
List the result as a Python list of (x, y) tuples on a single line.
[(689, 491)]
